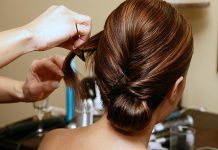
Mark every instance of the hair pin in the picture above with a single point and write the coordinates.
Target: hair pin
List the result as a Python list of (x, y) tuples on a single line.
[(77, 32), (79, 52), (120, 78)]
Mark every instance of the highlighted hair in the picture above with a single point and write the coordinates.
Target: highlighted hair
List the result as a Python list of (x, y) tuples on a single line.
[(145, 46)]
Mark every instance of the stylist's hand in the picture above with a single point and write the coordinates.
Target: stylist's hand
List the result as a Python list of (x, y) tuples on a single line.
[(43, 78), (56, 27)]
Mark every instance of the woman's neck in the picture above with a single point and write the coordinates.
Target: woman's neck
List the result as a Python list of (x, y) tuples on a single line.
[(140, 138)]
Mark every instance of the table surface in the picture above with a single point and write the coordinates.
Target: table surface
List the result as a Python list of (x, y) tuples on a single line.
[(206, 125)]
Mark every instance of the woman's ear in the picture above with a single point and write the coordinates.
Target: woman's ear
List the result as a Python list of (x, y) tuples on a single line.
[(175, 94), (170, 101)]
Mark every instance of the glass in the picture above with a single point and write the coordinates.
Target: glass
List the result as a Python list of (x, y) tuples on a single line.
[(84, 113), (182, 138), (40, 108)]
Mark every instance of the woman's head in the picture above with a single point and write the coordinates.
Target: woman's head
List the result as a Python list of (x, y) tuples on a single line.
[(145, 47)]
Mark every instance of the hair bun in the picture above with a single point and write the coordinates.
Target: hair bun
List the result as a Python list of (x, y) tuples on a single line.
[(128, 113)]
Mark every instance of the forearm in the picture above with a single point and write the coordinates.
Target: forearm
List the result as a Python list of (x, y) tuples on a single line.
[(10, 90), (14, 43)]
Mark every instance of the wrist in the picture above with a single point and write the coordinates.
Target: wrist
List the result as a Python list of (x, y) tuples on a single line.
[(28, 40), (18, 90), (35, 42)]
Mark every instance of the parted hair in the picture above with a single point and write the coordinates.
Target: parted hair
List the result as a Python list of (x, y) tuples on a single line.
[(145, 46)]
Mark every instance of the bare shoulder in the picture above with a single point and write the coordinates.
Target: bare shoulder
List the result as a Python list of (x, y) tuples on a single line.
[(57, 139)]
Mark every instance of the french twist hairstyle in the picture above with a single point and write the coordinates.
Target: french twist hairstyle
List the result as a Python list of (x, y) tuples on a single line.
[(145, 46)]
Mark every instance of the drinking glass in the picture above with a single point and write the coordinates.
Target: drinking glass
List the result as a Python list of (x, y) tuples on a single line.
[(182, 138), (40, 108)]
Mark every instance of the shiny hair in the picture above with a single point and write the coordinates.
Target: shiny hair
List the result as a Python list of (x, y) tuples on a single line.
[(145, 46)]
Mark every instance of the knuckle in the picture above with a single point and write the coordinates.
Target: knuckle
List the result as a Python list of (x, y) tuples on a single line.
[(43, 59), (89, 18), (62, 7), (34, 62), (53, 6), (53, 57), (29, 88), (89, 30), (86, 19), (57, 57)]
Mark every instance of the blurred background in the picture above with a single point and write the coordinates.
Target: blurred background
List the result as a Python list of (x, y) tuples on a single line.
[(202, 81)]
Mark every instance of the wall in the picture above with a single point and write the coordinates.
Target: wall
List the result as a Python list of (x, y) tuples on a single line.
[(202, 82)]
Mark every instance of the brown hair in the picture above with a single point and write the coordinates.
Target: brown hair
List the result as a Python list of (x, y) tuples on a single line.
[(145, 46)]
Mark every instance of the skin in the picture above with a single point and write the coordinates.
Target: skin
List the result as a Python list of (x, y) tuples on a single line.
[(42, 79), (56, 27), (101, 135)]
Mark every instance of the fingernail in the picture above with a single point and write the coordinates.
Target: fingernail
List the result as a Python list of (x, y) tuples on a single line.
[(55, 84), (73, 47), (61, 73)]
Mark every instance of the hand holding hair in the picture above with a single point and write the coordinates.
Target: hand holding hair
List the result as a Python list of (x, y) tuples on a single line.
[(59, 26), (43, 78), (56, 27)]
